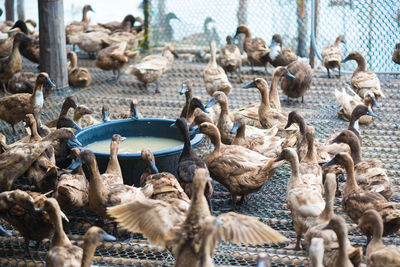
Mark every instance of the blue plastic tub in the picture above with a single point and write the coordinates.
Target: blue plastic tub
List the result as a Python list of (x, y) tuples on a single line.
[(132, 165)]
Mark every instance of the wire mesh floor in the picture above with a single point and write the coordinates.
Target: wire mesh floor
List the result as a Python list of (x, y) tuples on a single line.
[(381, 140)]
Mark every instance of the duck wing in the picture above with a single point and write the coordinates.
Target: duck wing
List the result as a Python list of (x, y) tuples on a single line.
[(244, 229), (152, 218)]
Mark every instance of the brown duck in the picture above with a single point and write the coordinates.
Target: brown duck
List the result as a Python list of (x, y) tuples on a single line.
[(77, 77), (356, 200), (299, 83), (198, 233), (278, 55), (230, 58), (14, 108), (69, 102), (332, 55)]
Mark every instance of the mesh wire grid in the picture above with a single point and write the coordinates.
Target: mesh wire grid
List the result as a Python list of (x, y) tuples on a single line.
[(371, 27), (381, 140)]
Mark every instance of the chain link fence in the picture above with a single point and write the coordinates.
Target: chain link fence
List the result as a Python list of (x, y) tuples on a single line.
[(369, 26)]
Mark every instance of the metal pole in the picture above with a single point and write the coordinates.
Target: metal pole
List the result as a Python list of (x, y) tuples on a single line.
[(9, 5), (315, 14), (20, 10), (146, 11)]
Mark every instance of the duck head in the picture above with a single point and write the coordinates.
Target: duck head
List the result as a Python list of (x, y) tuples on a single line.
[(283, 71), (134, 110), (369, 99), (129, 19), (369, 221), (199, 117), (20, 25), (276, 40), (116, 138), (81, 111), (65, 133), (208, 129), (338, 225), (66, 122), (87, 8), (148, 158), (242, 29), (76, 160), (186, 87), (341, 159), (398, 46), (340, 39), (200, 179), (170, 48), (44, 79), (354, 55), (171, 15), (70, 102), (258, 83), (95, 235), (287, 154), (229, 40), (293, 117), (196, 103), (218, 97), (361, 110)]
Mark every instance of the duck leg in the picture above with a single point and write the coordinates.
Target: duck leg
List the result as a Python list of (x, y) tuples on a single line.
[(233, 202), (112, 79), (302, 99), (158, 87), (239, 75), (27, 251), (339, 71), (329, 74), (118, 75)]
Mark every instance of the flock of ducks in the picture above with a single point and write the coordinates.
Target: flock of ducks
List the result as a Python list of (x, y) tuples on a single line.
[(249, 145)]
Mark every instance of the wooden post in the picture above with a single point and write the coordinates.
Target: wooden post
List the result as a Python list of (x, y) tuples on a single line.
[(312, 53), (301, 28), (20, 10), (146, 11), (9, 5), (53, 58)]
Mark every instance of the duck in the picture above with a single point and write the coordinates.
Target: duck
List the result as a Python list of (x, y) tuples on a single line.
[(189, 162), (248, 170), (125, 25), (363, 81), (302, 145), (303, 197), (71, 191), (299, 82), (77, 77), (22, 156), (13, 108), (348, 102), (29, 47), (370, 175), (329, 240), (78, 26), (113, 173), (359, 111), (198, 232), (230, 58), (199, 117), (214, 76), (12, 63), (69, 102), (83, 112), (103, 195), (344, 256), (114, 58), (396, 54), (166, 33), (332, 55), (62, 252), (23, 210), (356, 200), (268, 116), (256, 49), (42, 129), (165, 185), (133, 111), (6, 44), (278, 55), (92, 41), (377, 253), (266, 144), (278, 73), (187, 90), (22, 82), (152, 67), (213, 112), (200, 38)]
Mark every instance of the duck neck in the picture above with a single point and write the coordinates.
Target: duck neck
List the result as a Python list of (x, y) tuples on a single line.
[(85, 18), (113, 162), (77, 116), (205, 28), (188, 96), (377, 233), (361, 64), (342, 238), (34, 133), (337, 42), (224, 109), (247, 33), (59, 238), (302, 124), (273, 93), (199, 205), (295, 178), (216, 141), (265, 97), (96, 182), (241, 132), (327, 213), (213, 57), (351, 183), (88, 252), (37, 95), (310, 149), (74, 60), (187, 146), (355, 148)]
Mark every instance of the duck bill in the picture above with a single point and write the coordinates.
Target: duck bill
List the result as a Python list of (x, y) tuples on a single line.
[(374, 103), (250, 85), (278, 158), (234, 128), (335, 140), (153, 167), (329, 163), (326, 227), (75, 164), (184, 89), (108, 237), (173, 125), (346, 59), (288, 124), (75, 142), (272, 44), (204, 108), (195, 130), (211, 103), (123, 138), (175, 54), (50, 83), (289, 75), (370, 113)]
